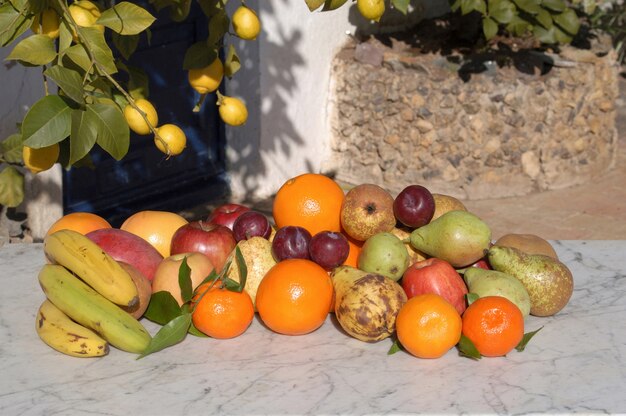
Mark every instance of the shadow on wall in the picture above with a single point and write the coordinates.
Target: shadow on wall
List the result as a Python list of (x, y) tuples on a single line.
[(272, 79)]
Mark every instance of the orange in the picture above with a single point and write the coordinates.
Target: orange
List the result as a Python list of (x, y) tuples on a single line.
[(82, 222), (428, 326), (294, 297), (221, 313), (156, 227), (312, 201), (494, 324), (355, 249)]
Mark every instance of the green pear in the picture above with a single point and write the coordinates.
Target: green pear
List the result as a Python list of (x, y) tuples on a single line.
[(548, 281), (385, 254), (458, 237), (494, 283)]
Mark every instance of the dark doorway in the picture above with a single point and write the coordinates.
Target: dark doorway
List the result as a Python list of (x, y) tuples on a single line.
[(144, 179)]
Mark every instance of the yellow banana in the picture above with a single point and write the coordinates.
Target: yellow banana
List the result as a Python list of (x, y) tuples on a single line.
[(87, 307), (64, 335), (88, 261)]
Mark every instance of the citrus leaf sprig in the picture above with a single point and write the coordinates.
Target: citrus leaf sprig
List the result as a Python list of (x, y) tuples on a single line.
[(176, 320)]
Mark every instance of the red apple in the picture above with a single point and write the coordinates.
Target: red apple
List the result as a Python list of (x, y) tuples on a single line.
[(127, 247), (482, 264), (213, 240), (435, 276), (226, 214)]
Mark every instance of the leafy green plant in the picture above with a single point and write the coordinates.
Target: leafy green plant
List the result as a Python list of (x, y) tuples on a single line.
[(612, 20), (94, 83)]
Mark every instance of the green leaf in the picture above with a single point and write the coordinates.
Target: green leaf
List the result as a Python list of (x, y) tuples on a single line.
[(468, 349), (78, 56), (529, 6), (126, 45), (490, 28), (569, 21), (544, 35), (184, 281), (561, 36), (471, 298), (65, 38), (556, 5), (47, 122), (162, 308), (11, 187), (243, 269), (213, 276), (333, 4), (401, 5), (525, 339), (111, 127), (218, 27), (210, 7), (180, 10), (519, 27), (544, 18), (313, 4), (69, 81), (502, 11), (170, 334), (456, 5), (82, 137), (138, 82), (100, 49), (395, 347), (468, 6), (126, 18), (199, 55), (12, 23), (35, 50), (11, 148), (232, 64)]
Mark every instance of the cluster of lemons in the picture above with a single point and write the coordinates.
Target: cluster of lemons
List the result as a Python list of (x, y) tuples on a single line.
[(170, 139)]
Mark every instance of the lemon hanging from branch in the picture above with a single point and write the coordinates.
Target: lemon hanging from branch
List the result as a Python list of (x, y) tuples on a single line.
[(371, 9), (136, 121), (246, 24), (207, 79), (41, 159), (47, 23), (232, 110), (172, 140)]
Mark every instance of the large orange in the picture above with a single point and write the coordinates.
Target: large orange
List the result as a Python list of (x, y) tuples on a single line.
[(82, 222), (221, 313), (428, 326), (156, 227), (294, 297), (494, 324), (311, 201)]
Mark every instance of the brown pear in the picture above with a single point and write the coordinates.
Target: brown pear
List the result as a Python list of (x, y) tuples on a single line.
[(528, 243), (549, 282), (445, 203)]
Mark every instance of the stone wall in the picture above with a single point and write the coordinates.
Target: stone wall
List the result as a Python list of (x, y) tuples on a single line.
[(400, 117)]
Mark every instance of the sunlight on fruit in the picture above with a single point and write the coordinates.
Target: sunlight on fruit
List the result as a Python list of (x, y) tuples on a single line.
[(135, 120), (233, 111), (85, 13), (174, 137), (206, 80), (371, 9), (38, 160), (246, 23)]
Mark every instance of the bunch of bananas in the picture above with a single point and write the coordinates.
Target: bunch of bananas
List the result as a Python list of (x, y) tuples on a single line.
[(84, 287)]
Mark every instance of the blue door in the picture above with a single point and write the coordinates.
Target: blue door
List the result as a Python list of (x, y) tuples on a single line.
[(144, 179)]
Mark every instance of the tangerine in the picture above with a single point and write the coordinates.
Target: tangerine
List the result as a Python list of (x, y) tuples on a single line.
[(294, 297), (82, 222), (221, 313), (355, 249), (156, 227), (312, 201), (494, 324), (428, 326)]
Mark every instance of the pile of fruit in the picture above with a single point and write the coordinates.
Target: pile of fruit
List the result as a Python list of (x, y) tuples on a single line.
[(418, 268)]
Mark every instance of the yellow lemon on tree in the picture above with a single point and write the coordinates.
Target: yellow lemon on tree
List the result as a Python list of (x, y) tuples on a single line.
[(135, 120), (38, 160), (232, 111), (371, 9), (246, 23), (47, 23), (85, 13), (208, 79), (174, 137)]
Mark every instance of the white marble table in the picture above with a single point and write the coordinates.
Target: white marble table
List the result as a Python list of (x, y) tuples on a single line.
[(576, 364)]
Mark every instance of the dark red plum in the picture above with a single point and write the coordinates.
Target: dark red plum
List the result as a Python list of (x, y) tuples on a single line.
[(251, 224), (291, 242), (414, 206), (329, 249)]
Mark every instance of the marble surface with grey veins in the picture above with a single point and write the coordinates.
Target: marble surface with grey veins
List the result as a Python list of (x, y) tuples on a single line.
[(575, 364)]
